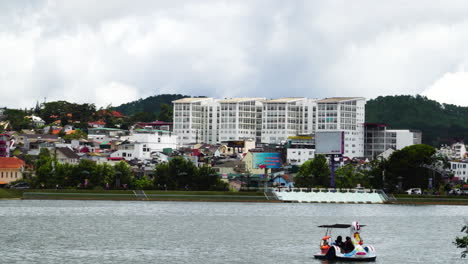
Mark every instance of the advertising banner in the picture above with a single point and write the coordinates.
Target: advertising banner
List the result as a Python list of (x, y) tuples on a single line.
[(270, 160)]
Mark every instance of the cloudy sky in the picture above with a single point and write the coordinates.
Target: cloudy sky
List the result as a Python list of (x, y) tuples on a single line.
[(110, 52)]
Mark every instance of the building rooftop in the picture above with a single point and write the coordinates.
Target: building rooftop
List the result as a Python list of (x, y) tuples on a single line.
[(237, 100), (191, 100), (40, 136), (11, 163), (67, 152), (339, 99), (285, 100), (105, 128)]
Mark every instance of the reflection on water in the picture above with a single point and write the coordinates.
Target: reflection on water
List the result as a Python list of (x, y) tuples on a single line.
[(187, 232)]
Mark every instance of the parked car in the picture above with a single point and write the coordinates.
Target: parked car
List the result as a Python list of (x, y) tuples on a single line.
[(456, 191), (20, 185), (414, 191)]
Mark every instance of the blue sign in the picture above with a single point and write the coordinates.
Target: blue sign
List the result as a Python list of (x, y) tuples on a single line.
[(270, 160)]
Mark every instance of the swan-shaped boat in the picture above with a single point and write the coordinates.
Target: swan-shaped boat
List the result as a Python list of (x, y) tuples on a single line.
[(353, 249)]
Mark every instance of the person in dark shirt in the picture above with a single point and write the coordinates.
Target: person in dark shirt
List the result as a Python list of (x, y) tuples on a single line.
[(339, 241), (348, 245)]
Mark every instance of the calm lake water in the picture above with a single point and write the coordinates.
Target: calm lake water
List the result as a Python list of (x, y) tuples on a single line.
[(192, 232)]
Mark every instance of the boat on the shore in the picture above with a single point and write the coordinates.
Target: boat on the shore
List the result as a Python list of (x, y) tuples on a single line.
[(355, 250)]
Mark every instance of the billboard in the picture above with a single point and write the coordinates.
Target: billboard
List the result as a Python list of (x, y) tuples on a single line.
[(270, 159), (329, 142)]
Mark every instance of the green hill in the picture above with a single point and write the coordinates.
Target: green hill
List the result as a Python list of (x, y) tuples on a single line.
[(150, 104), (439, 123)]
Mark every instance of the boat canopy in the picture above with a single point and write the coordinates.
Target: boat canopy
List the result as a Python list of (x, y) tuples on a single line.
[(338, 226)]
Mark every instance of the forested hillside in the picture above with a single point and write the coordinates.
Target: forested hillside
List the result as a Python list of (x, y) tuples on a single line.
[(439, 123), (150, 104)]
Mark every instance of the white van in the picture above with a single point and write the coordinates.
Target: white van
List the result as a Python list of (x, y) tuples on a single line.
[(414, 191)]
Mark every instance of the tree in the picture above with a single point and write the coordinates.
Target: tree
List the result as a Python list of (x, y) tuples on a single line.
[(439, 123), (180, 173), (17, 119), (123, 172), (77, 134), (44, 169), (166, 113), (405, 166), (143, 117), (349, 177), (462, 242), (312, 173), (143, 184), (207, 179)]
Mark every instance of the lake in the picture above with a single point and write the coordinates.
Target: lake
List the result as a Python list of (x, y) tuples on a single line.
[(48, 231)]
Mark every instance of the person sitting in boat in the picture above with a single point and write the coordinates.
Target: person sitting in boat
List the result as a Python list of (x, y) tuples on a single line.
[(348, 245), (339, 242)]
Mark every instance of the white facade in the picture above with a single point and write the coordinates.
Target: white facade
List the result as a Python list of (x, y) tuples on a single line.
[(239, 118), (104, 134), (404, 138), (297, 156), (455, 151), (195, 120), (285, 117), (460, 170), (143, 142), (379, 139), (344, 114)]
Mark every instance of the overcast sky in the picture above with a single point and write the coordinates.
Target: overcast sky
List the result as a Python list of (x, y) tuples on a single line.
[(111, 52)]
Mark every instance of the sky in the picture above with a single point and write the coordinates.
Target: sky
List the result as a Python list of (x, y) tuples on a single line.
[(111, 52)]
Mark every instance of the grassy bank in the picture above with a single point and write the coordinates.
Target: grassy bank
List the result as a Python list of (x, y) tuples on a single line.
[(130, 195), (431, 199), (10, 194)]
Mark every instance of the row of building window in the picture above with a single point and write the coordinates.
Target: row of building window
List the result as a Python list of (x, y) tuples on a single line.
[(5, 174)]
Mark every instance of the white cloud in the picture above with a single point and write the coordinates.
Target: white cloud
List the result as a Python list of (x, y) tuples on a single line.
[(115, 93), (69, 51), (452, 88)]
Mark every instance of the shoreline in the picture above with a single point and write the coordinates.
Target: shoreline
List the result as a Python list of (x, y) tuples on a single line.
[(199, 196)]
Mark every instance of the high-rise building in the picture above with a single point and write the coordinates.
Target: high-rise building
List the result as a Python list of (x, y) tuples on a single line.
[(286, 117), (240, 118), (272, 121), (196, 120), (345, 114)]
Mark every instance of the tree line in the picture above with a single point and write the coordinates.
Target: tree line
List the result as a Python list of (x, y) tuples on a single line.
[(439, 123), (411, 167), (177, 174)]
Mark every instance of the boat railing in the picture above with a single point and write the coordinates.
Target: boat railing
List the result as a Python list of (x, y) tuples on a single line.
[(330, 190)]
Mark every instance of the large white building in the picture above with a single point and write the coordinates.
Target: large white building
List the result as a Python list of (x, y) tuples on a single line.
[(240, 118), (272, 121), (344, 114), (286, 117), (196, 120)]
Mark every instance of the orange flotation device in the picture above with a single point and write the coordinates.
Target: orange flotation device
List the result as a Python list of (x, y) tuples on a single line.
[(324, 244)]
